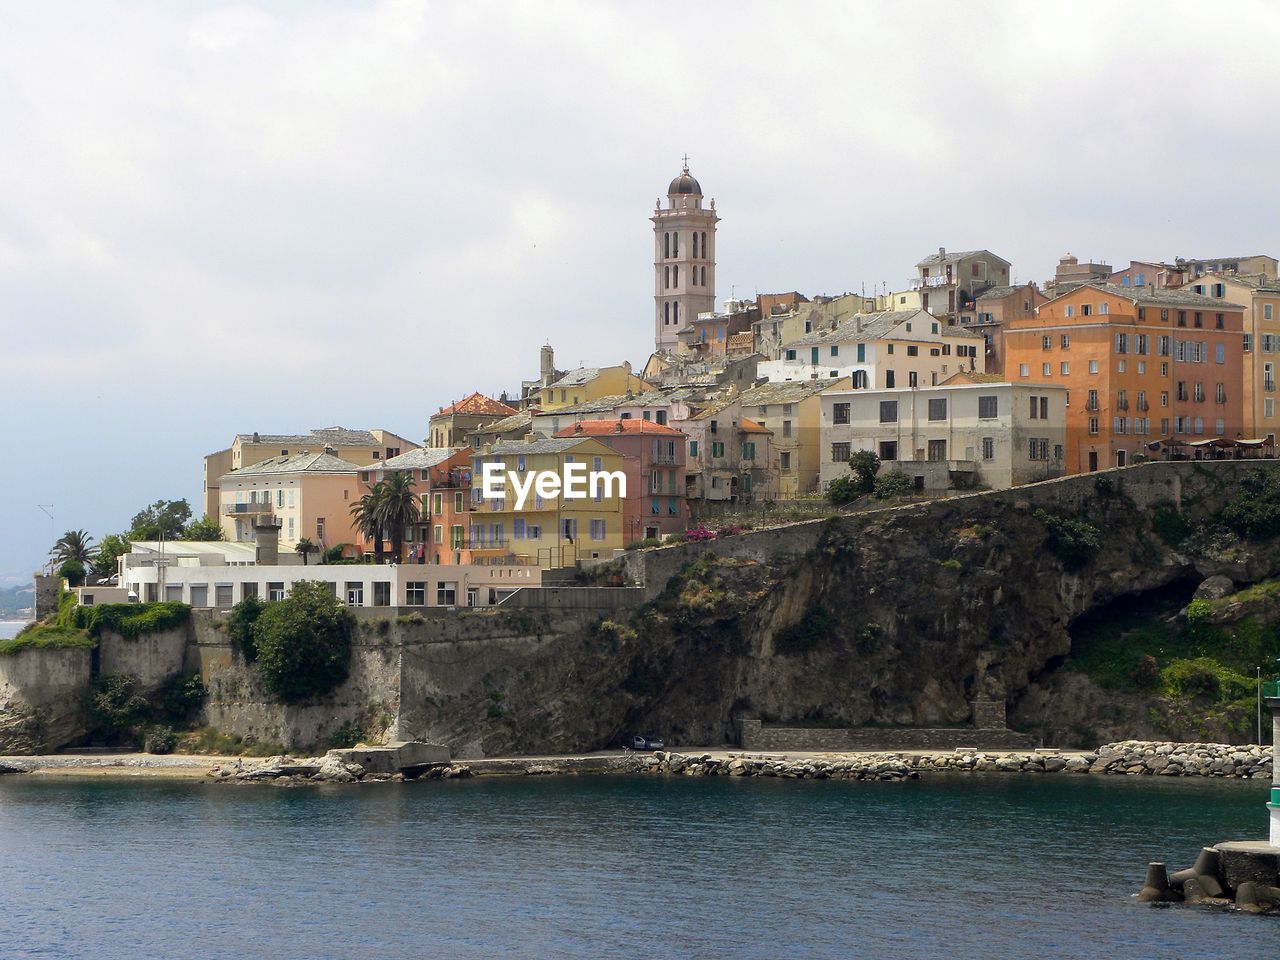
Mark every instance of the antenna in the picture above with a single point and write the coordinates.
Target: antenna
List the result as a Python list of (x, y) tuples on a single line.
[(47, 510)]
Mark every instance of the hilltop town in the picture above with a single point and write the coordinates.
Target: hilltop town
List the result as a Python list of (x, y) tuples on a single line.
[(768, 409)]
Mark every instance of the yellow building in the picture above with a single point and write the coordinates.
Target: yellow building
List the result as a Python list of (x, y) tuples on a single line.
[(1260, 296), (589, 383), (550, 531), (360, 447), (793, 411), (311, 493)]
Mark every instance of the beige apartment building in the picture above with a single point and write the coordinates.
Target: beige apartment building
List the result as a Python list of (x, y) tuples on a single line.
[(968, 432), (793, 412), (1260, 296), (361, 447), (310, 493)]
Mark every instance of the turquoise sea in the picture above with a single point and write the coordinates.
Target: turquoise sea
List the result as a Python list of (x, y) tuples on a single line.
[(10, 628), (1017, 866)]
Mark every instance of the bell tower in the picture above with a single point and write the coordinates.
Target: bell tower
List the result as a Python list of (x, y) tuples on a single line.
[(684, 259)]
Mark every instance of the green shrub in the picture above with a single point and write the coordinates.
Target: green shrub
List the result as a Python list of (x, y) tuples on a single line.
[(844, 489), (895, 483), (160, 739), (1073, 542), (347, 736), (1198, 611), (239, 626), (46, 635), (114, 708), (644, 544), (1205, 678), (1145, 672), (864, 465), (815, 626), (131, 620), (304, 642), (181, 698), (677, 537), (1170, 526), (1254, 512), (411, 619), (73, 571)]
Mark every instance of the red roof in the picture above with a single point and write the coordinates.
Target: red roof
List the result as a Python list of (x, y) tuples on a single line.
[(602, 428), (478, 403), (750, 426)]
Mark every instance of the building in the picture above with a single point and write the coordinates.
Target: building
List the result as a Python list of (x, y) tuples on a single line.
[(710, 333), (1256, 265), (1142, 364), (357, 446), (1260, 296), (451, 426), (310, 494), (653, 458), (792, 410), (551, 531), (515, 427), (949, 281), (971, 431), (684, 259), (730, 457), (589, 383), (993, 309), (1070, 273), (1144, 273), (896, 348), (442, 481), (204, 577)]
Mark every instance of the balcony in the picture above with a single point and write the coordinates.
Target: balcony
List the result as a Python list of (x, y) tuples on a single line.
[(246, 509), (664, 460), (926, 283)]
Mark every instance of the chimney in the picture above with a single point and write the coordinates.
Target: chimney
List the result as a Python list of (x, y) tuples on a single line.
[(255, 436), (577, 427), (942, 253), (617, 427), (266, 531), (330, 450), (548, 365)]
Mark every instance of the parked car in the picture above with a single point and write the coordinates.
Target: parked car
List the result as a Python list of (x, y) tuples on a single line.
[(645, 743)]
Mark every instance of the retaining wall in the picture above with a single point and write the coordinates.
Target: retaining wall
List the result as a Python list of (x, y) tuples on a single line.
[(757, 736)]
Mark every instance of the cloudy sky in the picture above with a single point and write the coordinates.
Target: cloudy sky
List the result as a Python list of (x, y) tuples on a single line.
[(223, 217)]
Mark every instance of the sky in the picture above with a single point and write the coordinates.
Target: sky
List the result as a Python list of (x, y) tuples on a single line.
[(227, 217)]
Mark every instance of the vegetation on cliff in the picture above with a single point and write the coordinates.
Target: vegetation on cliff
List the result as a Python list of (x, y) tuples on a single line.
[(303, 642)]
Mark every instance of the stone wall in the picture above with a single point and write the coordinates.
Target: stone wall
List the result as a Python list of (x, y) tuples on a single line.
[(574, 598), (757, 736), (48, 589), (40, 697), (153, 657)]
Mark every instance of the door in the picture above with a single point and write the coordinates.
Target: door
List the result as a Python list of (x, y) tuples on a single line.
[(1120, 458), (937, 450), (1093, 460)]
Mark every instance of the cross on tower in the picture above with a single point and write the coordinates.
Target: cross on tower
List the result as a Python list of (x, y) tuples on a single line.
[(685, 158)]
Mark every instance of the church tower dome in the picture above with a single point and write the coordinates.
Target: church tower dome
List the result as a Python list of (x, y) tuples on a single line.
[(684, 259)]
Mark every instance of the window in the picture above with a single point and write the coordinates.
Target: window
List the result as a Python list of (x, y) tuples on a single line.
[(1024, 369), (693, 448), (784, 460), (437, 503), (888, 450), (1104, 308), (938, 409), (1086, 309), (988, 408), (988, 448), (1219, 426), (1199, 319), (447, 594), (1248, 343), (1163, 346), (355, 593), (1221, 394), (913, 351), (835, 350), (275, 591), (888, 411), (1218, 321), (888, 379), (840, 452), (1182, 318), (1093, 425), (786, 428), (840, 413), (415, 593), (1092, 402), (1066, 341), (597, 529), (1065, 368), (517, 528), (748, 451), (1047, 369), (1035, 408), (1069, 310), (1219, 353), (1122, 343), (457, 502), (1046, 343), (717, 448), (437, 533), (1093, 366), (382, 593)]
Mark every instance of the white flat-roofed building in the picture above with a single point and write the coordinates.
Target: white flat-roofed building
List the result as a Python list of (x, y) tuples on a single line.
[(973, 431)]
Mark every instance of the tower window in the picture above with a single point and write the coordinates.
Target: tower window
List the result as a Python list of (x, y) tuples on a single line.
[(695, 246), (675, 276), (675, 244), (666, 244), (666, 277), (704, 274), (704, 245), (675, 313), (666, 313)]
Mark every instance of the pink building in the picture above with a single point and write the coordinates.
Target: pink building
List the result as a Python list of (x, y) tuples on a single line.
[(653, 457)]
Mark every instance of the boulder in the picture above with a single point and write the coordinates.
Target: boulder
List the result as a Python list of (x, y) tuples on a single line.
[(1215, 588)]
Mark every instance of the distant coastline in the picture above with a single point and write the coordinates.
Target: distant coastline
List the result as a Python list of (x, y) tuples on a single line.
[(10, 628)]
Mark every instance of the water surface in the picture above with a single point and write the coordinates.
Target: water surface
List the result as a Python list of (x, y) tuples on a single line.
[(1018, 866)]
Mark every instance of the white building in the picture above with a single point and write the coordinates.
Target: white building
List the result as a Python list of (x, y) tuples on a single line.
[(974, 431), (904, 348)]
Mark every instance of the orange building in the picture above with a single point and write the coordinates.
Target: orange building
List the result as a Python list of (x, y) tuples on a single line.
[(1140, 363), (442, 482)]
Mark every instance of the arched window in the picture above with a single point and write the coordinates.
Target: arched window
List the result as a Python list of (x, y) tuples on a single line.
[(859, 379), (666, 277), (704, 273), (675, 313), (675, 276), (666, 313), (704, 246), (695, 246), (666, 244), (675, 244)]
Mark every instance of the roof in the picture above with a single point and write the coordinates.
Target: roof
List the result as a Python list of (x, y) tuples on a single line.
[(1254, 281), (514, 422), (577, 378), (684, 184), (969, 376), (333, 436), (230, 549), (613, 428), (1158, 296), (860, 327), (478, 404), (711, 409), (739, 342), (999, 293), (424, 458), (297, 463), (954, 331), (598, 405), (543, 445), (783, 391), (750, 426), (943, 255)]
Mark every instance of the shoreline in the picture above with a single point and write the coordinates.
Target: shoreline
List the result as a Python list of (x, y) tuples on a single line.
[(1128, 758)]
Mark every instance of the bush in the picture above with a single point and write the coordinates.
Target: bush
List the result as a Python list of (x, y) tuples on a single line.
[(730, 530), (114, 708), (304, 642), (1206, 678), (1073, 542), (160, 739), (699, 534), (1170, 526), (895, 483), (678, 537), (1145, 672), (815, 626), (644, 544), (131, 620), (181, 698), (73, 572), (844, 490), (1254, 512), (240, 626), (865, 465)]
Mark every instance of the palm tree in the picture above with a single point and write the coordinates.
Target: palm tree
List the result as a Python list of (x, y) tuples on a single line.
[(74, 545), (305, 547), (398, 508), (366, 513)]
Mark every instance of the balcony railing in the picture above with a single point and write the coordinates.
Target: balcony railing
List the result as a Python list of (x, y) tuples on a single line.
[(664, 460), (246, 509)]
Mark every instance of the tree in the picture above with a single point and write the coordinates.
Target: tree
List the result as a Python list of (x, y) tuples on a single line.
[(206, 528), (398, 508), (865, 465), (240, 626), (304, 642), (112, 547), (73, 572), (367, 514), (164, 518), (305, 548), (74, 545)]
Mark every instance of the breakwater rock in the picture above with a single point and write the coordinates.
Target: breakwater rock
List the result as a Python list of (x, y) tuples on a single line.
[(863, 767), (1143, 757), (1243, 874), (291, 771)]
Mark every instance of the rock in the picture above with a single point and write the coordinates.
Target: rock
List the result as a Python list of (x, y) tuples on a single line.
[(1157, 889), (333, 770), (1054, 764), (1215, 588), (12, 768)]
